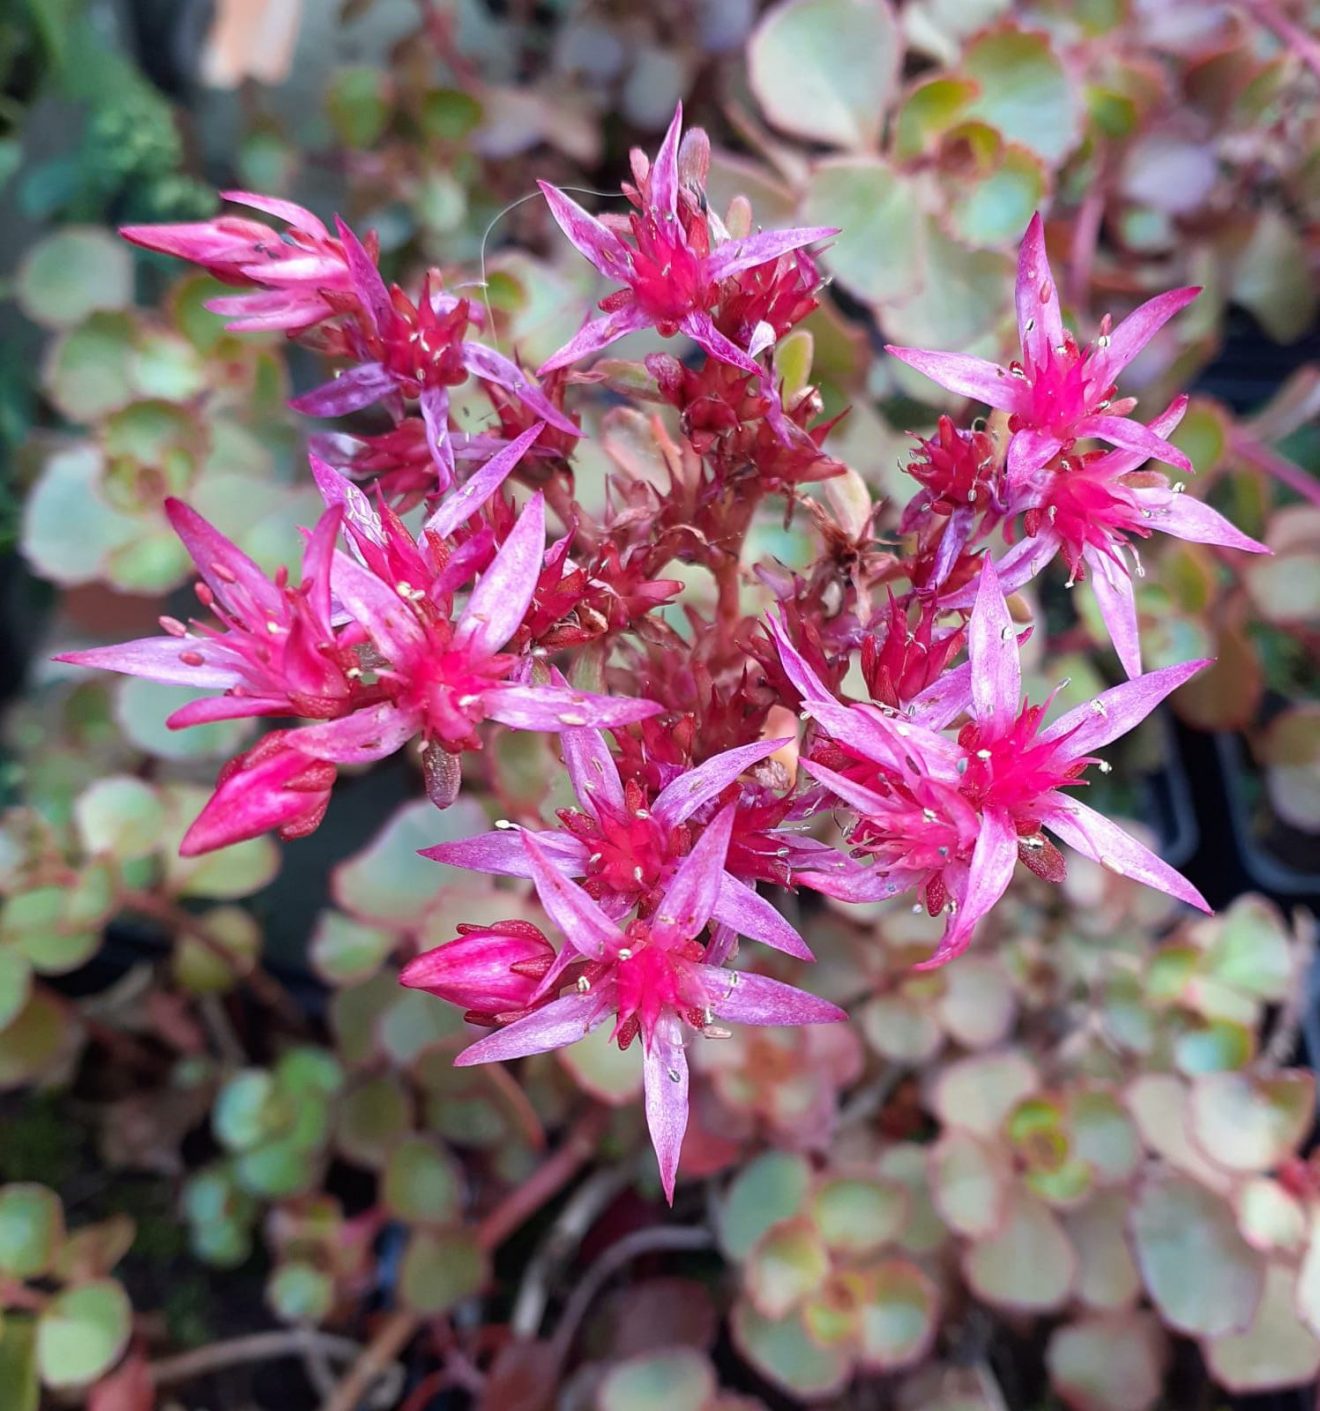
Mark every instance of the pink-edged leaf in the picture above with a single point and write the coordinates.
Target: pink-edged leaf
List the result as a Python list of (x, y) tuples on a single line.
[(562, 707), (741, 908), (1114, 595), (498, 603), (683, 796), (226, 569), (578, 916), (461, 504), (1140, 326), (1094, 836), (967, 376), (747, 998), (663, 185), (1040, 320), (589, 237), (1133, 435), (594, 336), (352, 390), (434, 405), (689, 898), (296, 216), (993, 860), (700, 327), (501, 852), (559, 1023), (1093, 725), (158, 659), (361, 738), (367, 283), (1187, 518), (665, 1085), (591, 769), (992, 648), (494, 367), (735, 256), (377, 607)]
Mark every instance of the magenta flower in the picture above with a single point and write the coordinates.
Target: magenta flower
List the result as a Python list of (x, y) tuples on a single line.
[(491, 972), (651, 978), (1058, 393), (951, 818), (671, 273), (626, 845)]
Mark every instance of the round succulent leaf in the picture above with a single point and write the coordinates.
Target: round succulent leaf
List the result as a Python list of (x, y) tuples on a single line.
[(82, 1332), (1104, 1135), (788, 1264), (832, 1315), (35, 1040), (768, 1190), (1027, 1264), (1200, 1273), (1290, 751), (92, 1251), (299, 1292), (120, 816), (959, 298), (826, 70), (69, 529), (899, 1029), (226, 1244), (675, 1379), (1107, 1275), (1270, 279), (356, 1013), (600, 1068), (783, 1352), (1159, 1104), (1024, 91), (978, 1004), (1248, 1123), (441, 1269), (898, 1316), (20, 1389), (309, 1072), (1276, 1350), (875, 208), (87, 371), (15, 983), (167, 367), (344, 951), (1285, 590), (413, 1023), (923, 1229), (1108, 1362), (977, 1093), (1202, 434), (73, 272), (930, 110), (970, 1183), (422, 1183), (248, 1110), (229, 874), (358, 104), (237, 937), (277, 1169), (140, 711), (1271, 1218), (858, 1214), (993, 209), (1252, 949), (1217, 1045), (31, 1228), (371, 1119)]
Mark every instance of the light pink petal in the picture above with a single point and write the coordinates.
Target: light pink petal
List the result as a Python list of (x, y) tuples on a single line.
[(338, 491), (863, 885), (227, 570), (578, 916), (735, 256), (594, 336), (681, 798), (213, 708), (596, 241), (561, 1022), (1028, 451), (461, 504), (1119, 462), (1027, 558), (1094, 836), (1140, 326), (366, 735), (1187, 518), (747, 998), (992, 648), (591, 768), (988, 876), (495, 367), (561, 707), (1040, 320), (318, 561), (740, 907), (296, 216), (665, 1084), (1112, 586), (796, 666), (968, 376), (1095, 724), (352, 390), (377, 607), (857, 796), (270, 310), (1134, 436), (501, 852), (498, 603), (663, 187), (157, 659), (434, 406), (367, 283), (690, 896), (944, 700), (700, 327)]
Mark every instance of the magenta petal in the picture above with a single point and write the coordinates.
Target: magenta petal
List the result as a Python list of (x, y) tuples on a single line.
[(561, 1022), (663, 186), (993, 860), (498, 603), (944, 700), (501, 852), (967, 376), (594, 336), (798, 669), (494, 367), (367, 283), (578, 916), (157, 659), (338, 491), (665, 1083), (739, 907), (1134, 436), (461, 504), (1094, 836), (591, 768), (857, 796), (1028, 557), (296, 216), (690, 896), (366, 735), (1095, 724), (683, 796), (1029, 450), (747, 998), (700, 327), (359, 387), (250, 802), (562, 707), (992, 648), (212, 708), (1140, 326), (596, 241), (1187, 518), (389, 621), (1040, 320), (434, 405), (1112, 585), (270, 310), (735, 256), (222, 563)]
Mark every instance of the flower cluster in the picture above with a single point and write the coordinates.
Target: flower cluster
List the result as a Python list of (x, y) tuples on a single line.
[(433, 604)]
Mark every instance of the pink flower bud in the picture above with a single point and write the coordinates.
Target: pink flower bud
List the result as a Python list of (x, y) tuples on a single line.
[(487, 970)]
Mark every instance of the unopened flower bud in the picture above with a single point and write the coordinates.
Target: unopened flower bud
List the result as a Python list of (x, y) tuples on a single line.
[(486, 970)]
